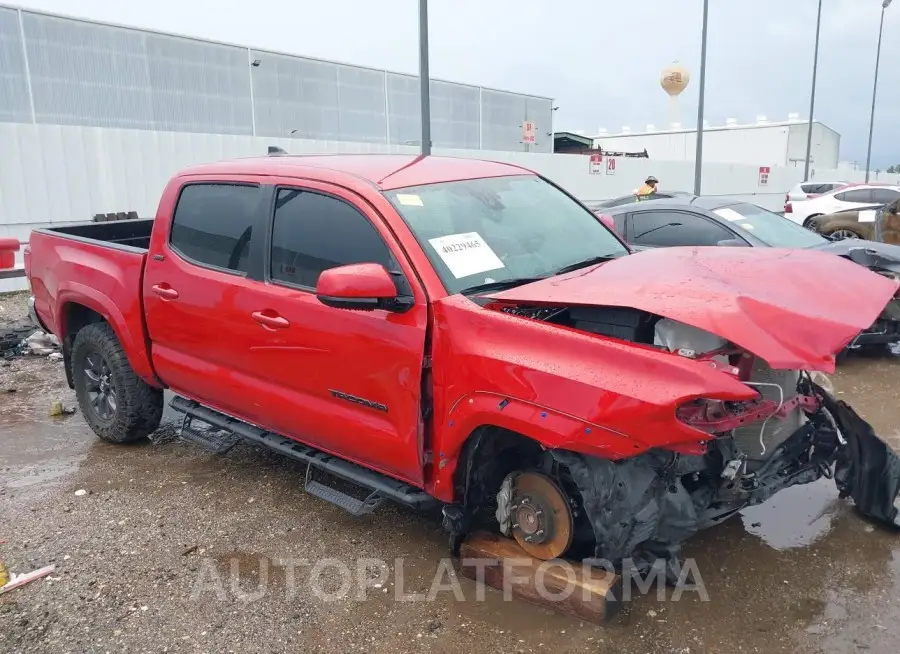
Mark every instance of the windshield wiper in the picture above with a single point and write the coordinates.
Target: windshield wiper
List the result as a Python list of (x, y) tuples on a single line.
[(501, 285), (585, 263)]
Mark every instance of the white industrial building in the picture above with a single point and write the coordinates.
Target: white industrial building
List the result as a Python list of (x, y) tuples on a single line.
[(762, 143)]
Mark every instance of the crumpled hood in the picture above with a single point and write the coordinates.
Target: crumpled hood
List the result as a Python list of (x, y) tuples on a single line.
[(770, 301)]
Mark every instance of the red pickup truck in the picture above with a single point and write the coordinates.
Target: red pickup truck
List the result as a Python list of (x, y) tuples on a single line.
[(465, 333)]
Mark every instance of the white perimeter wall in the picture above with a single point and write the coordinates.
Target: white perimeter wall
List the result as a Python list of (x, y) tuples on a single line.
[(52, 175), (779, 144)]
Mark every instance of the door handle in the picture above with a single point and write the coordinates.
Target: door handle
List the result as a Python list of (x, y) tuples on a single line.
[(165, 292), (270, 321)]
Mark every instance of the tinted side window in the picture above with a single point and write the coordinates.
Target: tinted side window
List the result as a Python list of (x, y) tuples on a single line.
[(672, 228), (314, 232), (213, 224), (860, 195), (619, 221), (884, 195)]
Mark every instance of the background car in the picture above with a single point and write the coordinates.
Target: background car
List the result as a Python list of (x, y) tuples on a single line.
[(861, 223), (719, 221), (854, 196), (808, 190), (631, 197)]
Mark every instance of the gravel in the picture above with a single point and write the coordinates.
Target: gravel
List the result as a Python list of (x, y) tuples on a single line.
[(159, 547)]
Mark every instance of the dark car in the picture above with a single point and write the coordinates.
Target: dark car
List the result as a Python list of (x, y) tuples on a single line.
[(633, 197), (719, 221), (861, 223)]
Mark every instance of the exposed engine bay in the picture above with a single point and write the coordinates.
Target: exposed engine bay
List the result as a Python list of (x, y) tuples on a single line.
[(641, 509)]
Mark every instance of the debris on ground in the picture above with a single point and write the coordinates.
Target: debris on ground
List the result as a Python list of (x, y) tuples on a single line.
[(41, 344), (58, 409), (4, 574), (80, 492), (20, 580)]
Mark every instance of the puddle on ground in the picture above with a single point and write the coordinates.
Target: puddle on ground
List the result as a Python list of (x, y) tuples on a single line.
[(796, 517)]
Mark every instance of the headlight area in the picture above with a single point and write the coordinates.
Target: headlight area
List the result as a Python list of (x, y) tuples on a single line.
[(722, 416)]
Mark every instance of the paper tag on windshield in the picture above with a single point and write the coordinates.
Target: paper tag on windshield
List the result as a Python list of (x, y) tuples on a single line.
[(867, 216), (409, 200), (729, 214), (466, 254)]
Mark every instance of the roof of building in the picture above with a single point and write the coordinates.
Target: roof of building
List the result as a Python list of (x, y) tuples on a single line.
[(386, 171)]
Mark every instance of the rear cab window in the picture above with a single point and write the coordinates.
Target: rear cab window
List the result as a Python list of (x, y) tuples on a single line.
[(213, 225)]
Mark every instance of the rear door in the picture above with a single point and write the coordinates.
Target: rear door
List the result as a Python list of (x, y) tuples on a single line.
[(669, 228), (346, 381), (196, 285)]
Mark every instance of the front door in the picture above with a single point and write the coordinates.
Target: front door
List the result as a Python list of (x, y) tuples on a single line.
[(346, 381)]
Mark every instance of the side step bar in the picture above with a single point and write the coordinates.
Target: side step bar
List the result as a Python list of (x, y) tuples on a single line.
[(380, 486)]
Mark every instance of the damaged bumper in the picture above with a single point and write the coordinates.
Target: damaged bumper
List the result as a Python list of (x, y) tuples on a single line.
[(643, 509)]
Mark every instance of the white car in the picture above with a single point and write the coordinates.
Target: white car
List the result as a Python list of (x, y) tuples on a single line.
[(808, 190), (852, 196)]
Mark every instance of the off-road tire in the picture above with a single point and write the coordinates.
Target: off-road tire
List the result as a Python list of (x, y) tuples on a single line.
[(139, 407), (12, 335)]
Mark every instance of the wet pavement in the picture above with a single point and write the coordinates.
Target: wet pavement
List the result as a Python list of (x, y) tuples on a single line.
[(168, 545)]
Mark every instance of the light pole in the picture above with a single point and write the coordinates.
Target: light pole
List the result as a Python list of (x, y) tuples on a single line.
[(884, 5), (698, 159), (812, 95), (423, 77)]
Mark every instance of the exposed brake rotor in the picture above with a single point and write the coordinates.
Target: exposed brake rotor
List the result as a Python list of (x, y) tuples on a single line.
[(541, 516)]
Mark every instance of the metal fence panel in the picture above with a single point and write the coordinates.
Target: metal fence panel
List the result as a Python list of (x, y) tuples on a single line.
[(97, 75), (87, 74), (306, 98), (198, 86), (14, 104)]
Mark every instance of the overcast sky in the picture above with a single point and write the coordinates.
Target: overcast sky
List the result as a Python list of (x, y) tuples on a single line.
[(600, 59)]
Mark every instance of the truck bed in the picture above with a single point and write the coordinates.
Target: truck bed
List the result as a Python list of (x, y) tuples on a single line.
[(93, 269), (131, 233)]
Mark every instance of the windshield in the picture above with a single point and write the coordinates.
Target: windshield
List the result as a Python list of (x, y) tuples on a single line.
[(770, 228), (484, 231)]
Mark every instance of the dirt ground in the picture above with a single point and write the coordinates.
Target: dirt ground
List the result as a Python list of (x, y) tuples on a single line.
[(172, 549)]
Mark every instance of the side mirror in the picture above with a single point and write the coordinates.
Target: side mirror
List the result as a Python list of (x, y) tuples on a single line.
[(732, 243), (361, 287)]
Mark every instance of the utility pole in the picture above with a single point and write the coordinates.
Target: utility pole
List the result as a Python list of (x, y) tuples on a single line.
[(424, 78), (884, 6), (812, 96), (698, 159)]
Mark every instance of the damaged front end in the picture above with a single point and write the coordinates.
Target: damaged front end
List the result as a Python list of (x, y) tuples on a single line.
[(752, 318), (642, 509)]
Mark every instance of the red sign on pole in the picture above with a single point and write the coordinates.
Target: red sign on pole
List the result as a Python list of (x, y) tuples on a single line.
[(764, 175), (596, 164), (529, 132)]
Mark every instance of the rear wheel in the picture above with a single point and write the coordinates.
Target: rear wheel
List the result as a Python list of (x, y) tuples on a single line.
[(843, 233), (117, 404), (808, 223)]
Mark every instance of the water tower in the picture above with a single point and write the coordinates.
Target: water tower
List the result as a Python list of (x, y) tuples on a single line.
[(674, 81)]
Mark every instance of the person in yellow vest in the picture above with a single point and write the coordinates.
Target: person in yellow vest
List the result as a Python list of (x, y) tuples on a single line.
[(648, 189)]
